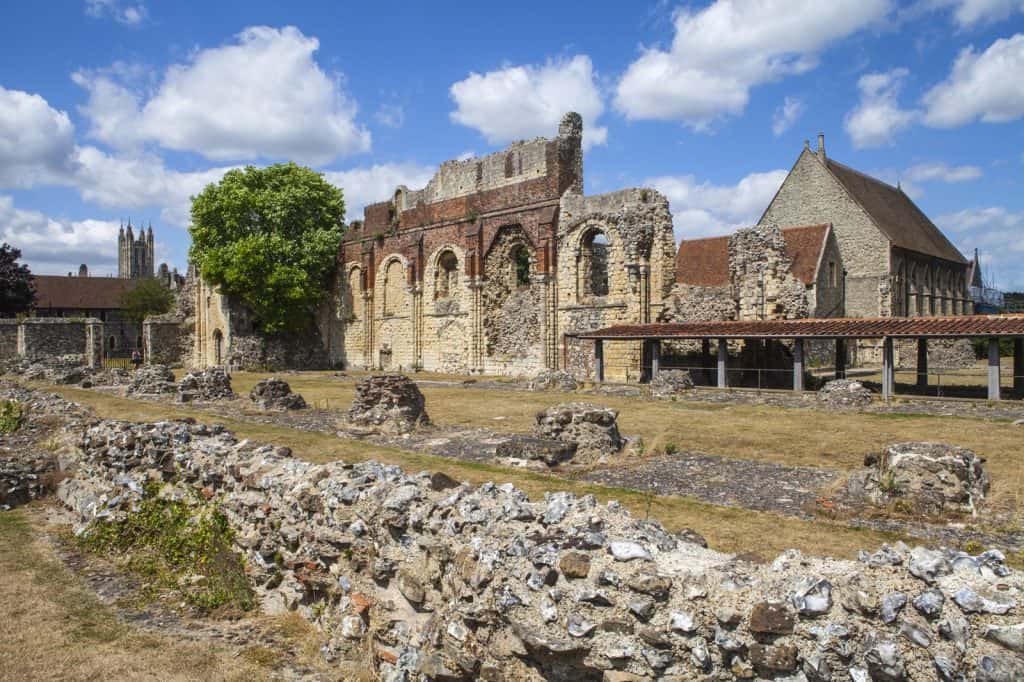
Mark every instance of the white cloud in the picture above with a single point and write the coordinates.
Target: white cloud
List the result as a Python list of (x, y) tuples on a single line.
[(995, 231), (702, 209), (941, 172), (52, 246), (878, 116), (518, 102), (121, 12), (972, 13), (786, 115), (36, 141), (263, 96), (985, 86), (722, 51), (364, 186)]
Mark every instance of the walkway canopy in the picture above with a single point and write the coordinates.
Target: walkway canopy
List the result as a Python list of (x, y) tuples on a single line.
[(840, 329)]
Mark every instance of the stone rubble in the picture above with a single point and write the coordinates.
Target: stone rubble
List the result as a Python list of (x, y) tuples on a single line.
[(553, 379), (932, 478), (152, 380), (276, 394), (592, 428), (844, 393), (213, 383), (390, 402), (668, 383)]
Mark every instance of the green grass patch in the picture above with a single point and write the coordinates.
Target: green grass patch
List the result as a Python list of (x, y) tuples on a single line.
[(179, 545), (10, 416)]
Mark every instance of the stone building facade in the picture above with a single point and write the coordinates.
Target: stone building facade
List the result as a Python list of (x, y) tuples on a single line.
[(898, 263), (496, 262)]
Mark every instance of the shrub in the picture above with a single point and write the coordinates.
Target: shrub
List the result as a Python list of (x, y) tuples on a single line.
[(10, 416)]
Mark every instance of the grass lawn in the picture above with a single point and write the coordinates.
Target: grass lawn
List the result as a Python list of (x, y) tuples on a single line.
[(793, 437), (727, 529), (54, 628)]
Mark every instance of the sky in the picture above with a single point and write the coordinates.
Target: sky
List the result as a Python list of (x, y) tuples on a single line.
[(118, 109)]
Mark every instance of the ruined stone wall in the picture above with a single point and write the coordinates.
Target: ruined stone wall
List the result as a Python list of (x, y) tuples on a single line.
[(40, 338), (762, 279), (161, 340), (637, 226), (513, 324), (8, 338), (448, 298), (811, 195)]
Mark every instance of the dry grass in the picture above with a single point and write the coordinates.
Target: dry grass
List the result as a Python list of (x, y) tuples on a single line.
[(727, 529), (836, 440), (54, 628)]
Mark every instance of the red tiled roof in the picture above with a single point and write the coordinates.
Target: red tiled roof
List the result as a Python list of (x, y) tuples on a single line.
[(81, 293), (895, 214), (705, 262), (804, 246), (829, 328)]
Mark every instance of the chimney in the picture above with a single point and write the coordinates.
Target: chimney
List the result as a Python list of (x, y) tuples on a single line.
[(821, 146), (807, 145)]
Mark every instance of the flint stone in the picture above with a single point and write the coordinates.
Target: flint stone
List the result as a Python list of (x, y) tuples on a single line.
[(574, 565), (628, 551), (915, 635), (971, 602), (654, 585), (1008, 636), (929, 604), (892, 604), (682, 621), (812, 597), (770, 660), (885, 663), (999, 668), (772, 618)]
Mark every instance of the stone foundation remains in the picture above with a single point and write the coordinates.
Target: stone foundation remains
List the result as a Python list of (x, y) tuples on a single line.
[(553, 379), (592, 428), (441, 581), (205, 385), (152, 380), (389, 401), (928, 478), (670, 383), (276, 394), (844, 393)]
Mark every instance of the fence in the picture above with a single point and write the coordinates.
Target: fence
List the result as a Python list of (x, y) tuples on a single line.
[(117, 363)]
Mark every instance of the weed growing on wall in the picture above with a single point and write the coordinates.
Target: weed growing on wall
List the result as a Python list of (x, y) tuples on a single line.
[(10, 416)]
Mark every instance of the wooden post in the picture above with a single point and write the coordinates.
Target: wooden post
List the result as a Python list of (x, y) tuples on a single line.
[(723, 357), (922, 362), (655, 357), (840, 359), (993, 368), (1018, 366), (798, 364), (599, 359), (887, 369)]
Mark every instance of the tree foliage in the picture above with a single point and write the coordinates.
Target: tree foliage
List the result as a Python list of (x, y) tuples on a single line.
[(268, 236), (17, 290), (150, 297)]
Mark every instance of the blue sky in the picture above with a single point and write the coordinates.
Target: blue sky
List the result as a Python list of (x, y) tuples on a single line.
[(112, 109)]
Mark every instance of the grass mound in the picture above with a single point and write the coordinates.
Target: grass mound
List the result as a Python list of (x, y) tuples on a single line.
[(177, 545)]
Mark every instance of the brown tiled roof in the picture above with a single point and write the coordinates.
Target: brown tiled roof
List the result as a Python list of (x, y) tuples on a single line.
[(81, 293), (829, 328), (895, 214), (804, 246), (705, 262)]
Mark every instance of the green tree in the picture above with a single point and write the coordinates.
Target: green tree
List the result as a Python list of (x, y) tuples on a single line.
[(269, 236), (17, 291), (149, 297)]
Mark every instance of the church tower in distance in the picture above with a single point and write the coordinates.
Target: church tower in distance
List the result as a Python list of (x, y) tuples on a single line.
[(135, 257)]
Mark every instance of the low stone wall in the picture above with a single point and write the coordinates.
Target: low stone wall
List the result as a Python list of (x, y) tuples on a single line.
[(8, 338), (40, 338), (161, 340)]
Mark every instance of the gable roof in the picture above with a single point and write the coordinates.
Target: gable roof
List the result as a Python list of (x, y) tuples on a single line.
[(895, 214), (705, 262), (81, 293)]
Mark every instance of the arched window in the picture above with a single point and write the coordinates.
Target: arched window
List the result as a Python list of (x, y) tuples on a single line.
[(218, 346), (393, 288), (353, 297), (446, 277), (594, 264), (521, 262)]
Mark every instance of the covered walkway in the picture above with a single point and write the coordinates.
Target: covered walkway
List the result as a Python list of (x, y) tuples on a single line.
[(841, 331)]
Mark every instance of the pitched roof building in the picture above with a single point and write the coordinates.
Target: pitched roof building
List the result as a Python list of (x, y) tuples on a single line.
[(897, 261)]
